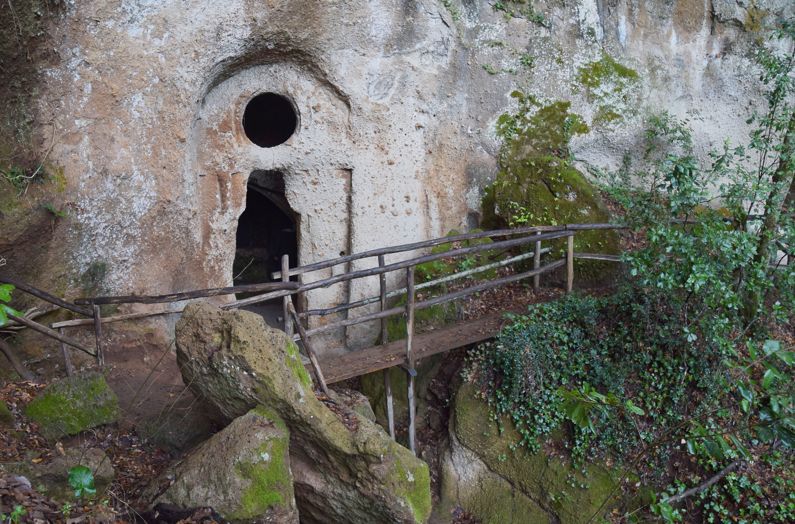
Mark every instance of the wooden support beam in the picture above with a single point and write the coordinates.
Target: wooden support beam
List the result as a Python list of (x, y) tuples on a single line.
[(390, 404), (67, 360), (537, 264), (570, 263), (19, 367), (98, 335), (44, 330), (410, 361), (287, 301)]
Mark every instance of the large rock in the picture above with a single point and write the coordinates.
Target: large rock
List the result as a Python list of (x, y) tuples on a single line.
[(485, 476), (352, 473), (72, 405), (242, 472)]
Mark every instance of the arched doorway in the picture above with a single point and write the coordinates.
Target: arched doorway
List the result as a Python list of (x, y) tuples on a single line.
[(266, 230)]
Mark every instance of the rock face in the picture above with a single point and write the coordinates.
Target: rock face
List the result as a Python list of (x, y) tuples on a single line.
[(342, 474), (396, 105), (72, 405), (482, 474), (242, 472)]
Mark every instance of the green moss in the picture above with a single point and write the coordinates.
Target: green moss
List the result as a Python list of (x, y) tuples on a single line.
[(537, 185), (271, 482), (294, 364), (571, 495), (412, 485), (594, 74), (494, 501), (6, 417), (73, 405)]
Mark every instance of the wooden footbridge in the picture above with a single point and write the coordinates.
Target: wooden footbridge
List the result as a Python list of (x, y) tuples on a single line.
[(510, 251)]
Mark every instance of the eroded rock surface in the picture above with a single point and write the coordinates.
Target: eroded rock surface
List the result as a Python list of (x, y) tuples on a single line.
[(342, 474)]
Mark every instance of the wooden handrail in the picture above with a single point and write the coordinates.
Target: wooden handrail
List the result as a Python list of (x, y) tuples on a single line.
[(187, 295), (38, 293), (444, 240)]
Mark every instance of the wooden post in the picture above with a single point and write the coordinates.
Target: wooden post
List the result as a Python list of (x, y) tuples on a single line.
[(537, 263), (287, 300), (412, 373), (310, 351), (570, 263), (67, 361), (390, 405), (98, 335)]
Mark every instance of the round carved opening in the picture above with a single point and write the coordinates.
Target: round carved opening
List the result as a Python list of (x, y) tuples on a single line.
[(269, 119)]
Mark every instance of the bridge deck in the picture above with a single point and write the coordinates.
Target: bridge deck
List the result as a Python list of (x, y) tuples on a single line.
[(375, 358)]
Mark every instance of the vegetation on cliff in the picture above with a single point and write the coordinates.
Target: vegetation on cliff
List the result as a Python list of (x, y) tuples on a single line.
[(685, 373)]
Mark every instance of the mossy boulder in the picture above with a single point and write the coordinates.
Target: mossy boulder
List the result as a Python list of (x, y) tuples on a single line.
[(537, 482), (342, 473), (537, 184), (72, 405), (242, 472)]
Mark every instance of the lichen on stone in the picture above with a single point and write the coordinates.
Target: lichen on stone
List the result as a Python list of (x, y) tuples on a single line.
[(72, 405)]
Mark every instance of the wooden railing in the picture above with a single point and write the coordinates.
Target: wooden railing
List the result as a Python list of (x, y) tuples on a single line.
[(512, 244)]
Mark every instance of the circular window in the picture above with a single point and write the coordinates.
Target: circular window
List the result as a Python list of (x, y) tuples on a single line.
[(269, 119)]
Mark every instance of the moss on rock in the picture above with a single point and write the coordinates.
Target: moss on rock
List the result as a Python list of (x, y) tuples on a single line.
[(234, 361), (72, 405), (243, 472), (538, 185), (569, 495)]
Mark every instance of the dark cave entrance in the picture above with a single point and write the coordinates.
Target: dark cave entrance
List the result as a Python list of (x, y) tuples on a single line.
[(267, 229)]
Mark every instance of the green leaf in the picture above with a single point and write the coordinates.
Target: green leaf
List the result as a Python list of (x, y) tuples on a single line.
[(632, 408), (770, 376), (747, 393), (771, 346), (81, 479), (5, 292), (788, 357)]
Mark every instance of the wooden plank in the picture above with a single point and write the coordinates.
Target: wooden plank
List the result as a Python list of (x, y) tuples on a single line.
[(287, 301), (537, 264), (377, 358), (187, 295)]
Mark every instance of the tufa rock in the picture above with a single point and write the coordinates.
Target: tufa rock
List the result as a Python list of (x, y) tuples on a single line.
[(242, 472), (482, 474), (341, 475), (72, 405)]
